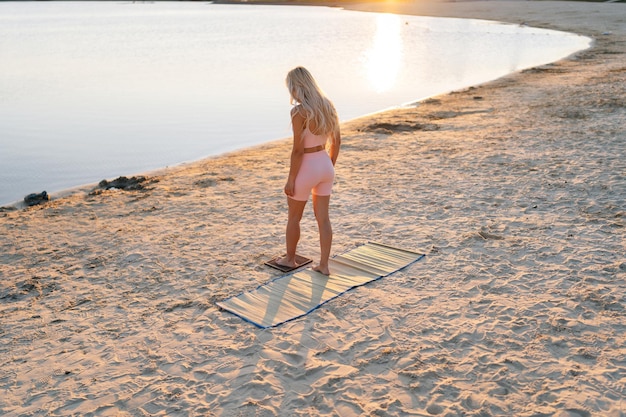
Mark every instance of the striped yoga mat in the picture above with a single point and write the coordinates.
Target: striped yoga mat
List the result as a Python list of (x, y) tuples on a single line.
[(297, 294)]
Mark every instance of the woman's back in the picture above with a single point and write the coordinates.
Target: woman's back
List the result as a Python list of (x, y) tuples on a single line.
[(311, 140)]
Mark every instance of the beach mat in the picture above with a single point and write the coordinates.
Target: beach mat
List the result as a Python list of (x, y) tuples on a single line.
[(300, 261), (297, 294)]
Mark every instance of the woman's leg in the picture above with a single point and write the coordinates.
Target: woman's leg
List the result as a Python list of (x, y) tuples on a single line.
[(321, 207), (296, 208)]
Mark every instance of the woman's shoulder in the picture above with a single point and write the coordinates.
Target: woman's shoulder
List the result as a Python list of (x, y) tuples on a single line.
[(298, 110), (298, 114)]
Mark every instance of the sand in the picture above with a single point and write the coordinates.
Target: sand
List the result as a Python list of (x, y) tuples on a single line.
[(515, 189)]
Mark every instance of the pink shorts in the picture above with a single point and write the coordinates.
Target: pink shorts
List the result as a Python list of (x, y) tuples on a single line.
[(316, 174)]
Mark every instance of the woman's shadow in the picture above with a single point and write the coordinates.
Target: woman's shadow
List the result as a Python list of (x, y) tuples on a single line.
[(293, 296)]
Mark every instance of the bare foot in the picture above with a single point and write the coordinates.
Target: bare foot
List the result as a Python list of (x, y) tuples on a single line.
[(284, 261), (321, 270)]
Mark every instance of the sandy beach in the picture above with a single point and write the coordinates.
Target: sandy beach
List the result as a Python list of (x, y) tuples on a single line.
[(515, 190)]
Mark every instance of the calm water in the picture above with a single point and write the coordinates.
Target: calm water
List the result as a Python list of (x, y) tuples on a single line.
[(100, 89)]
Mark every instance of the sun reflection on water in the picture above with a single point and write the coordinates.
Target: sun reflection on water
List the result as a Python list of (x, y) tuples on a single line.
[(384, 59)]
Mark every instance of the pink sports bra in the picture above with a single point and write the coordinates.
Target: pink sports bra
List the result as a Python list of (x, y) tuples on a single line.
[(312, 140)]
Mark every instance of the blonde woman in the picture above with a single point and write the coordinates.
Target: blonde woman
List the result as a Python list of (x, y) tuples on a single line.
[(315, 128)]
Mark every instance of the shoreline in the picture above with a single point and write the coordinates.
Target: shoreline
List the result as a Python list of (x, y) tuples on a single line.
[(90, 186), (514, 189)]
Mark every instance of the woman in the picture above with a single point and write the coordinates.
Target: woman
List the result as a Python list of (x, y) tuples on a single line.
[(315, 126)]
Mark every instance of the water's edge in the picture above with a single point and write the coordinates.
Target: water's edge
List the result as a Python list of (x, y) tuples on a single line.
[(87, 187)]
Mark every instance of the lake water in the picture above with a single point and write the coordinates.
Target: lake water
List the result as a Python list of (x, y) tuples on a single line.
[(94, 90)]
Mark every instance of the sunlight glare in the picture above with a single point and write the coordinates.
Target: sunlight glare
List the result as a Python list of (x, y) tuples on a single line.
[(385, 57)]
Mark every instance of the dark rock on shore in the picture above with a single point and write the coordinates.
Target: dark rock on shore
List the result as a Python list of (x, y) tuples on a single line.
[(126, 184), (36, 198)]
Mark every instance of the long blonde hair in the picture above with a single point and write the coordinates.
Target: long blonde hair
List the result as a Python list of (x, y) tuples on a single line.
[(317, 108)]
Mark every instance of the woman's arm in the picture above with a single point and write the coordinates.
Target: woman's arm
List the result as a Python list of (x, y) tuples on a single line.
[(335, 144), (297, 151)]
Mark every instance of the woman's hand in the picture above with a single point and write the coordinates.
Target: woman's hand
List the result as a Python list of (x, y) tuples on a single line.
[(290, 188)]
